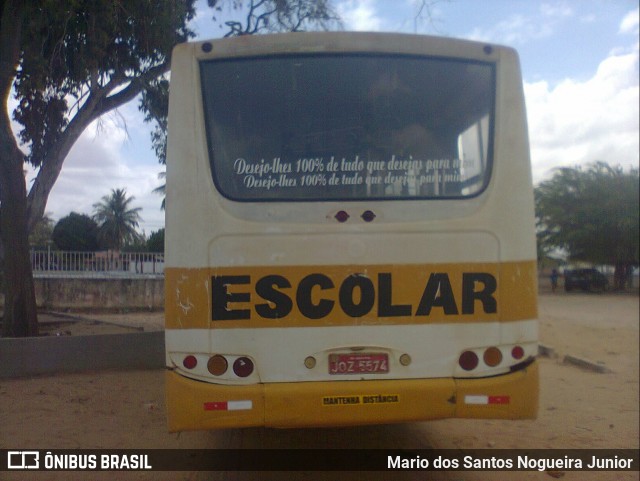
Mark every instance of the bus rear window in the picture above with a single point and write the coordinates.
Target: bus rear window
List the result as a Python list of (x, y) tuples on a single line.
[(348, 127)]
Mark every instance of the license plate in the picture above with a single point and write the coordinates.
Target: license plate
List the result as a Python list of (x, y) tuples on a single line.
[(373, 363)]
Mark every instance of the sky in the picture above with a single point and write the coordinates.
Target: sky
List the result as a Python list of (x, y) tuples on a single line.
[(580, 70)]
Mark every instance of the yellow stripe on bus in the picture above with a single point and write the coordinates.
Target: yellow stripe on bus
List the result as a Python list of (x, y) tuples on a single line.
[(313, 296)]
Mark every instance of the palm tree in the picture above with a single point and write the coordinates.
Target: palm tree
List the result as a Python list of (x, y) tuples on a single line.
[(117, 221), (162, 189)]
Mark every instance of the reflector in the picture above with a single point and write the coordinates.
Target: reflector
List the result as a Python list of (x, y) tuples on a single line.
[(310, 362), (405, 359)]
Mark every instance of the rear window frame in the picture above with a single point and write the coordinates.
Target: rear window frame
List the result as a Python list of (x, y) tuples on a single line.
[(490, 158)]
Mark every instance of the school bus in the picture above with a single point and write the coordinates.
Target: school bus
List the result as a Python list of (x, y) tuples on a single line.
[(349, 232)]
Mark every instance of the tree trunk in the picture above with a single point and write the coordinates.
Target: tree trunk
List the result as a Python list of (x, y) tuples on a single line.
[(620, 276), (20, 314)]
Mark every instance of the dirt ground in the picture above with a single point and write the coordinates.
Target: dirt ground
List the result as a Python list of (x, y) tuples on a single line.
[(579, 408)]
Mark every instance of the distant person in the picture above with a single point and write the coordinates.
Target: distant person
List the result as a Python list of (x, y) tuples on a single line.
[(554, 280)]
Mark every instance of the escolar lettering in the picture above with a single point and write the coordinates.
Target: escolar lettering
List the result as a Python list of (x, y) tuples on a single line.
[(315, 296)]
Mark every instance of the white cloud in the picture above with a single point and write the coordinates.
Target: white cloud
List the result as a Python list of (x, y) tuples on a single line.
[(515, 30), (580, 122), (555, 10), (99, 162), (629, 23), (359, 15)]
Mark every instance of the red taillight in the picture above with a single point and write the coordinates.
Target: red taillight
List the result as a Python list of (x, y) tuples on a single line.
[(190, 362), (243, 367), (517, 352), (468, 360), (342, 216), (368, 216)]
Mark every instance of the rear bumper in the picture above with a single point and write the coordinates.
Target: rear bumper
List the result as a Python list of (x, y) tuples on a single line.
[(193, 405)]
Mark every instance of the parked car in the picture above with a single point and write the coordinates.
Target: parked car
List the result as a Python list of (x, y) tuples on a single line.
[(585, 279)]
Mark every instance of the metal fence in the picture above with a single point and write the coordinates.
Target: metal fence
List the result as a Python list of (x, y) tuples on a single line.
[(131, 263)]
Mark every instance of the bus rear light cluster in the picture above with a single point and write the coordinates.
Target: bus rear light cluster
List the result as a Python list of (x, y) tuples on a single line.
[(218, 365), (492, 357), (343, 216)]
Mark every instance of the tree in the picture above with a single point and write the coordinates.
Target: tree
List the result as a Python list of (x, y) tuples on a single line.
[(41, 234), (156, 241), (593, 214), (70, 62), (425, 12), (76, 232), (162, 189), (117, 220), (261, 16), (270, 16)]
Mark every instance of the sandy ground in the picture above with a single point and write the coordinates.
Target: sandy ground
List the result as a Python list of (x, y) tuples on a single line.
[(578, 408)]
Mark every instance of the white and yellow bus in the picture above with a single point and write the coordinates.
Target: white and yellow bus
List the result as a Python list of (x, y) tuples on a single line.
[(349, 233)]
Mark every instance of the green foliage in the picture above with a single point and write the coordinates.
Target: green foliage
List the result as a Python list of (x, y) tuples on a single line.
[(162, 189), (136, 244), (117, 220), (76, 232), (155, 105), (592, 213), (79, 51), (69, 62), (262, 16), (155, 243), (41, 235)]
